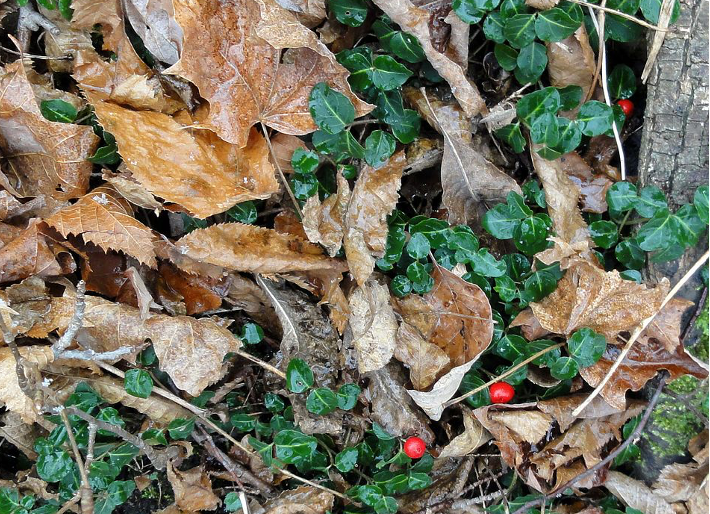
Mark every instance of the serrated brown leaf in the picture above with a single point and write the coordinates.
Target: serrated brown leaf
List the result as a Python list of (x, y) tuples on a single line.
[(105, 218), (44, 157), (571, 61), (26, 253), (36, 357), (640, 365), (239, 247), (425, 360), (232, 53), (415, 21), (192, 489), (200, 172), (590, 297), (29, 300), (373, 198), (131, 190), (323, 221)]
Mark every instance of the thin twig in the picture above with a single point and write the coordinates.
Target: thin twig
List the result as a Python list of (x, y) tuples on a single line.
[(636, 433), (605, 87), (503, 375), (637, 333), (281, 173), (261, 363), (85, 491), (75, 323), (34, 56), (600, 48), (620, 15), (68, 505)]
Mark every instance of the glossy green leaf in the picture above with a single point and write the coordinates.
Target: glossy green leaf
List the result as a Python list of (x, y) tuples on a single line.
[(321, 401), (403, 45), (555, 25), (545, 130), (244, 212), (232, 503), (54, 465), (468, 11), (651, 10), (154, 436), (536, 103), (332, 111), (299, 377), (650, 200), (349, 12), (519, 30), (622, 196), (58, 110), (622, 82), (379, 146), (264, 450), (346, 460), (700, 200), (251, 334), (604, 233), (511, 347), (106, 155), (586, 346), (359, 62), (304, 161), (530, 235), (632, 275), (471, 381), (507, 57), (111, 416), (509, 8), (418, 246), (630, 254), (626, 6), (512, 135), (435, 230), (532, 61), (274, 402), (594, 118), (293, 447), (538, 285), (570, 97), (500, 221), (401, 286), (243, 422), (546, 359), (622, 29), (388, 74), (180, 428), (116, 494), (304, 185), (564, 368), (570, 136), (485, 264), (347, 396), (493, 28)]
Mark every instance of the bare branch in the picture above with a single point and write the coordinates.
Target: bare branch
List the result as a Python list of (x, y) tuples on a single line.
[(75, 323)]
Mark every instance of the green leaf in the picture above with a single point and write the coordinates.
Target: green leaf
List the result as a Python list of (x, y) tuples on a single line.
[(632, 275), (493, 28), (9, 500), (536, 103), (665, 229), (138, 382), (621, 196), (595, 118), (346, 460), (251, 334), (538, 285), (391, 482), (518, 377), (630, 453), (232, 503), (622, 82), (519, 30), (630, 254), (424, 464), (321, 401), (570, 97), (418, 246), (154, 436), (388, 74), (546, 359), (625, 6), (555, 25), (243, 422), (511, 347), (417, 273), (347, 396), (621, 29), (545, 130), (84, 398), (349, 12), (700, 200), (604, 233), (486, 264), (586, 347), (691, 226), (471, 381), (381, 433), (106, 155), (274, 402), (509, 8), (396, 238), (435, 230), (304, 161), (58, 110), (507, 57), (403, 45), (293, 447), (116, 494), (651, 10), (331, 111), (180, 428), (264, 450), (359, 62), (53, 466), (564, 368), (304, 185), (517, 265), (406, 127), (506, 288), (299, 377), (244, 212), (650, 201), (512, 135), (530, 235), (379, 146), (500, 221), (111, 416), (570, 135), (468, 11)]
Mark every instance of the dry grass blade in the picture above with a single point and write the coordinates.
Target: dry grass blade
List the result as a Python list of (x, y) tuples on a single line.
[(664, 19)]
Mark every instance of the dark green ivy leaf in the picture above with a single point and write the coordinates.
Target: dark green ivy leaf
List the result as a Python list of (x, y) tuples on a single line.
[(519, 30), (595, 118), (555, 25), (586, 346), (332, 111), (622, 82), (58, 110), (299, 377), (321, 401), (379, 146), (349, 12), (512, 135)]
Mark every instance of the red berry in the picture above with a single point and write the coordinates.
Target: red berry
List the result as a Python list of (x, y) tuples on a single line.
[(414, 447), (627, 106), (501, 392)]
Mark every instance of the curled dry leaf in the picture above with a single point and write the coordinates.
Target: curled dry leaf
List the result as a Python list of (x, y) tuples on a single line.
[(415, 20), (571, 61), (131, 190), (69, 41), (562, 196), (665, 327), (636, 494), (374, 326), (683, 482), (432, 402), (425, 360), (323, 222), (302, 500), (283, 146), (25, 304), (201, 172), (592, 187), (640, 365), (529, 325), (249, 83), (192, 489), (373, 198), (473, 437), (36, 358), (239, 247), (105, 218), (603, 301), (470, 182), (20, 433), (26, 253), (200, 294), (154, 22), (44, 157)]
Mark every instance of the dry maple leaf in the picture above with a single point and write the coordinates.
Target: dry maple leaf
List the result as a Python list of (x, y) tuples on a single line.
[(373, 198), (640, 365), (192, 489), (415, 20), (374, 326), (323, 221), (603, 301), (37, 358), (425, 360), (26, 253), (200, 172), (571, 61), (43, 157), (232, 53), (105, 218), (239, 247)]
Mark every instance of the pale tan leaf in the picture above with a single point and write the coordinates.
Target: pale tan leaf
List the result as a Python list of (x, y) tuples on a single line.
[(530, 426), (20, 433), (323, 222), (571, 61), (665, 327), (373, 324), (415, 21), (636, 494), (14, 399), (44, 157), (131, 190), (374, 196), (153, 21), (240, 247), (592, 187), (69, 41), (200, 172), (542, 4), (302, 500), (106, 219), (425, 360), (249, 82), (192, 489), (432, 402), (473, 436)]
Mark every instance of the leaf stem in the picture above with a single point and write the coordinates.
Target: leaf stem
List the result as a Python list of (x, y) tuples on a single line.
[(281, 173)]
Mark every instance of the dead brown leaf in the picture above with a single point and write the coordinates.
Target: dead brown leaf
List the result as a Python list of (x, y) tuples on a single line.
[(201, 172), (105, 218), (36, 358), (200, 294), (592, 187), (473, 437), (373, 198), (192, 489), (425, 360), (666, 326), (26, 253), (636, 494), (44, 157), (250, 83), (640, 365), (131, 190), (302, 500), (153, 21), (323, 222), (571, 61)]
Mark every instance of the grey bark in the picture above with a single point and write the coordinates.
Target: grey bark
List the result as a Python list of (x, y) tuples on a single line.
[(674, 146)]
